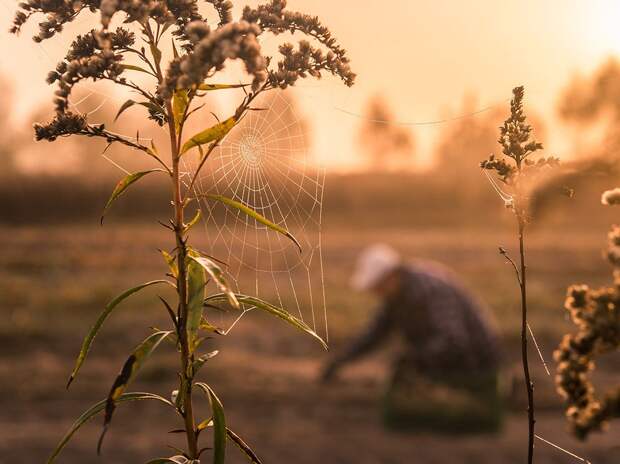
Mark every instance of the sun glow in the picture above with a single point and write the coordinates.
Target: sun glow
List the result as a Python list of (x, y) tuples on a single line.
[(601, 25)]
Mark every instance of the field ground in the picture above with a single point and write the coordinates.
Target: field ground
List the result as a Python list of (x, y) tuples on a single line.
[(54, 280)]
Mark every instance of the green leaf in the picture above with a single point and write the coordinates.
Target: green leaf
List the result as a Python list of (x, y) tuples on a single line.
[(147, 104), (131, 367), (219, 424), (204, 424), (253, 214), (209, 87), (96, 409), (196, 281), (131, 67), (123, 185), (271, 309), (124, 106), (156, 52), (215, 132), (206, 325), (180, 100), (175, 53), (243, 446), (171, 262), (217, 275), (203, 359), (193, 222), (88, 340)]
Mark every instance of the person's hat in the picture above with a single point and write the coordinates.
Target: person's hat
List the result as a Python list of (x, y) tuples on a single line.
[(373, 264)]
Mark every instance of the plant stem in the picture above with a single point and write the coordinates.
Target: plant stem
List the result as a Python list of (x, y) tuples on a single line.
[(526, 370), (181, 253), (187, 374)]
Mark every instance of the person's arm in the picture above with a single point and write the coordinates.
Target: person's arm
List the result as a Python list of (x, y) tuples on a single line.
[(371, 338)]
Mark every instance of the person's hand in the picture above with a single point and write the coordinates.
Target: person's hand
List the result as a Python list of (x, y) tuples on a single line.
[(329, 372)]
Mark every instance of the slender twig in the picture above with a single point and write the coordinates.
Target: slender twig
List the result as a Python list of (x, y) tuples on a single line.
[(504, 253), (524, 352), (144, 58)]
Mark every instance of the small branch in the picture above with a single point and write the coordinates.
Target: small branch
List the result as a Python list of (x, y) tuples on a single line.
[(110, 137), (144, 58), (133, 86), (504, 253), (98, 131)]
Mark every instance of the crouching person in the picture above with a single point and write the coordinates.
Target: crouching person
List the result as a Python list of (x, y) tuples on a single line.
[(446, 377)]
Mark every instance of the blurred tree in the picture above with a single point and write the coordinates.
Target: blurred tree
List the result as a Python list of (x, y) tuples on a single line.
[(593, 101), (386, 145), (461, 143), (591, 105)]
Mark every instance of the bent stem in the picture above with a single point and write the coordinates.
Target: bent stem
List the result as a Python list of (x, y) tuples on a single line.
[(524, 352)]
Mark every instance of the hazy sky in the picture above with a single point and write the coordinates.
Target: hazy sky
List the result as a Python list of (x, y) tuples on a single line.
[(422, 55)]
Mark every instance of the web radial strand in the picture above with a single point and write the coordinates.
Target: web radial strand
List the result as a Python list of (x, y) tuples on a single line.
[(264, 164)]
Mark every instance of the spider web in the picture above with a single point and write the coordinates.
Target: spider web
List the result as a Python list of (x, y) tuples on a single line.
[(264, 164)]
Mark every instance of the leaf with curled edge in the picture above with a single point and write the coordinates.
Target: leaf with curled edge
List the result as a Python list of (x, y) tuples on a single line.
[(199, 362), (196, 282), (269, 308), (215, 132), (123, 185), (88, 340), (216, 273), (219, 424), (131, 367), (180, 100), (255, 215)]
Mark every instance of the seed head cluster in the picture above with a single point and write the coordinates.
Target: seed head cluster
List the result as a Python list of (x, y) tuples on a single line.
[(596, 313), (517, 145), (67, 123), (60, 12), (306, 60), (207, 47), (91, 56), (210, 51)]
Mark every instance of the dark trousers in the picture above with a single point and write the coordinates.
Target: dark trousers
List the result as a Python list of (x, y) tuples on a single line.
[(448, 401)]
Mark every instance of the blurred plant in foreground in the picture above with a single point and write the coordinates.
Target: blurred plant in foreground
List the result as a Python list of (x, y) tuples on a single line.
[(596, 313), (200, 52), (517, 170)]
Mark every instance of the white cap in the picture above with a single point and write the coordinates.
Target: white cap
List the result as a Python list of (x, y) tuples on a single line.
[(373, 264)]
